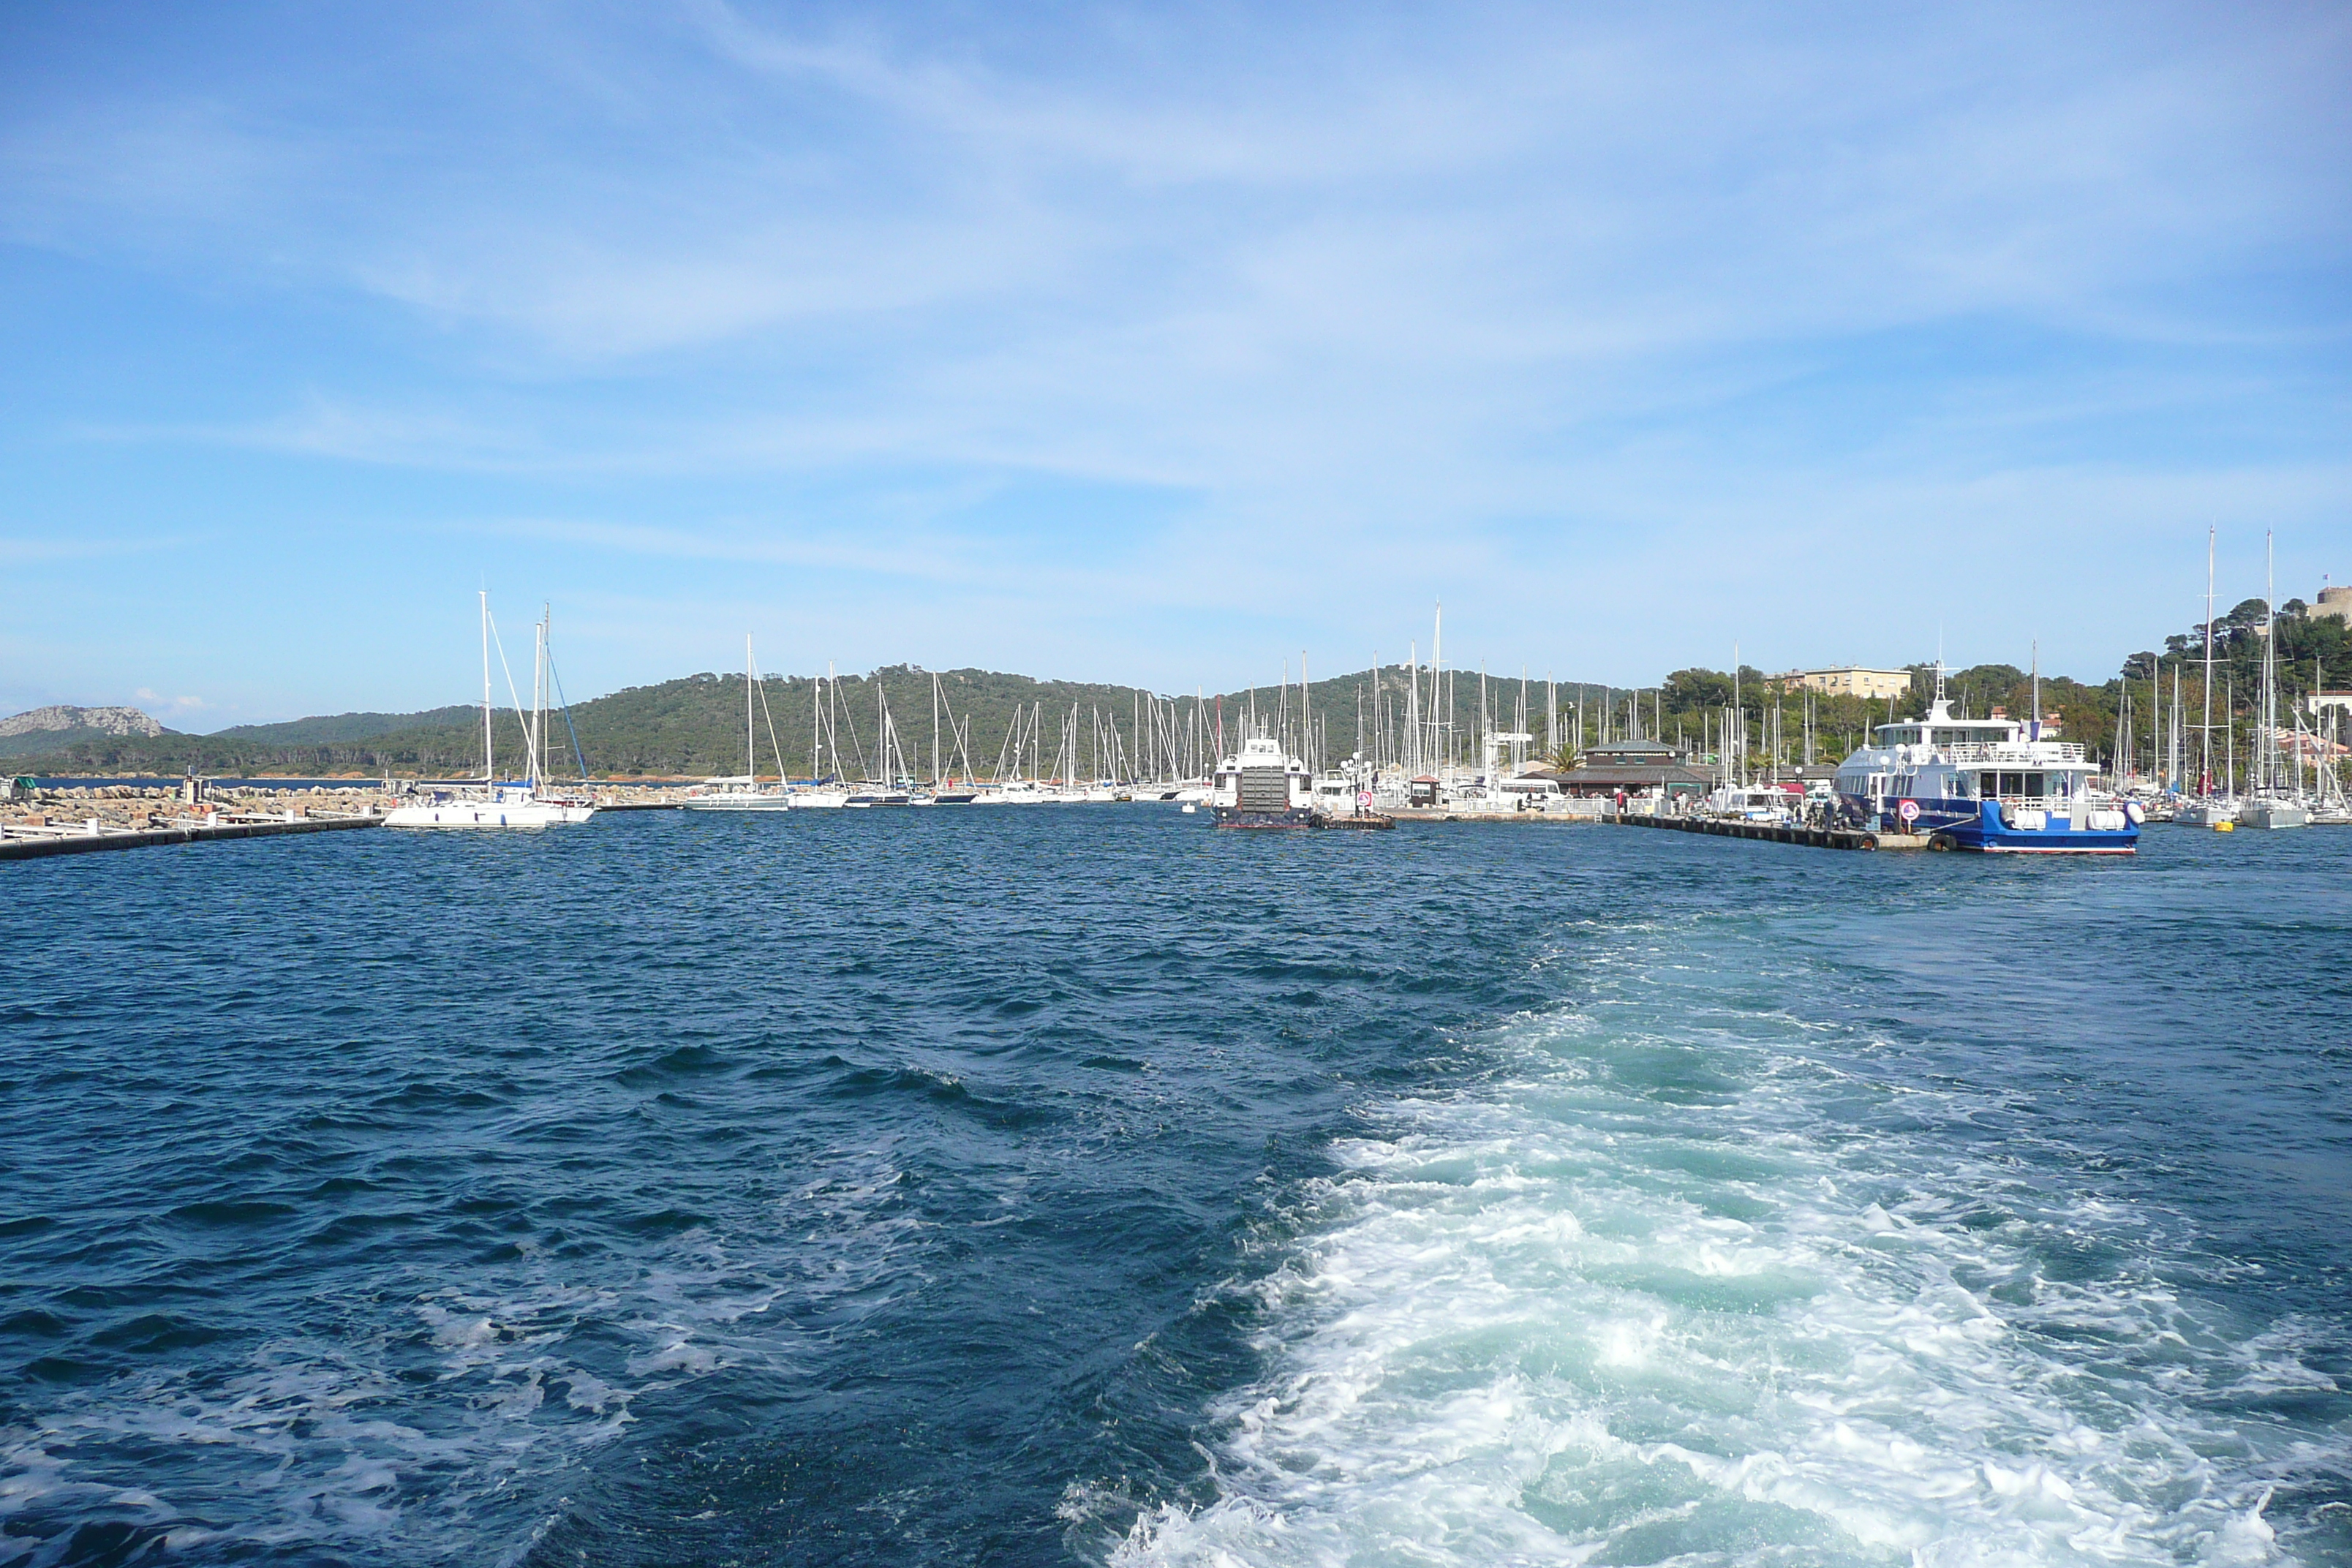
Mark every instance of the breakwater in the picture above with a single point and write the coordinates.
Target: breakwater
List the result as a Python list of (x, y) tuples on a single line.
[(31, 844)]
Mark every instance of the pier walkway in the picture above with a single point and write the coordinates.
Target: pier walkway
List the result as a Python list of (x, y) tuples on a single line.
[(31, 843), (1816, 837)]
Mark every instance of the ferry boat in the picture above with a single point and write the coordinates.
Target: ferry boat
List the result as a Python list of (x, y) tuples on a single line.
[(1262, 786), (1993, 785)]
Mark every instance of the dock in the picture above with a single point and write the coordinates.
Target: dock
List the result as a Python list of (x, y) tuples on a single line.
[(33, 843), (1813, 837), (1440, 814)]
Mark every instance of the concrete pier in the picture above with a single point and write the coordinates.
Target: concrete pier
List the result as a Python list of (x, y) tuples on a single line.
[(1438, 814), (1815, 838), (33, 843)]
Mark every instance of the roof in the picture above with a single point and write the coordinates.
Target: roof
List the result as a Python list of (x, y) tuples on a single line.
[(1633, 776)]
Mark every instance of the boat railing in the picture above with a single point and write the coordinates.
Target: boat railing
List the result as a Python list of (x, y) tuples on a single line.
[(2020, 753)]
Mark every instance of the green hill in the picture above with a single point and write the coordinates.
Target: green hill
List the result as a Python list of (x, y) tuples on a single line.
[(694, 727), (329, 727)]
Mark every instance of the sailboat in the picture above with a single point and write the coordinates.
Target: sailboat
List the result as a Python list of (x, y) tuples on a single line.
[(2274, 803), (743, 792), (823, 792), (2208, 809), (491, 804)]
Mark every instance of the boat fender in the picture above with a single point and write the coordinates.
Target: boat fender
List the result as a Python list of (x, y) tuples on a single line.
[(2132, 809)]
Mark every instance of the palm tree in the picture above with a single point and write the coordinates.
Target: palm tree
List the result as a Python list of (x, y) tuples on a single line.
[(1563, 756)]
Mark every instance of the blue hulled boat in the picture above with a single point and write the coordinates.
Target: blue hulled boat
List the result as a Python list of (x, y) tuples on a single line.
[(1994, 784)]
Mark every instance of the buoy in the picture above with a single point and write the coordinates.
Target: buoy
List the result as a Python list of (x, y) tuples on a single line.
[(2225, 826)]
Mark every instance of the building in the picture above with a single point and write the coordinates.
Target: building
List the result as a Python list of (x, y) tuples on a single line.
[(1851, 680), (2335, 603), (1635, 767)]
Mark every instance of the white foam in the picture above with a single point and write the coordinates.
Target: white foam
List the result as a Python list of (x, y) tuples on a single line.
[(326, 1441), (331, 1446), (1646, 1297)]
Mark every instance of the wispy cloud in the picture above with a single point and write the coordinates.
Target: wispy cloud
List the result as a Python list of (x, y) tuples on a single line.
[(1050, 314)]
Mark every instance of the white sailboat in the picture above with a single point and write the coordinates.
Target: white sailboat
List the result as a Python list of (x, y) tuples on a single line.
[(2208, 807), (743, 791), (822, 791), (2275, 802), (491, 804)]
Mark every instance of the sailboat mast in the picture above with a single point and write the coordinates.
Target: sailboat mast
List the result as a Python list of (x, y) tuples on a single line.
[(1305, 714), (2265, 765), (1437, 686), (546, 691), (489, 765), (2205, 731), (537, 700)]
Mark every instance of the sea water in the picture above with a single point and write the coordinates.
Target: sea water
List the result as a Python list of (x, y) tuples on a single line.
[(1089, 1186)]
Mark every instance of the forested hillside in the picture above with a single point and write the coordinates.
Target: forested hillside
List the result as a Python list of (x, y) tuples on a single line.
[(694, 726)]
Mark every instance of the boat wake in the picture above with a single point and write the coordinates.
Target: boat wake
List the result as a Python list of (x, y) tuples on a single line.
[(1673, 1286)]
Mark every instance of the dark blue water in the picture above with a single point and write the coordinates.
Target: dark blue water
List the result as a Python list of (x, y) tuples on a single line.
[(1087, 1185)]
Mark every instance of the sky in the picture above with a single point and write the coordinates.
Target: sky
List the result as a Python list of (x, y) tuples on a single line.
[(1153, 345)]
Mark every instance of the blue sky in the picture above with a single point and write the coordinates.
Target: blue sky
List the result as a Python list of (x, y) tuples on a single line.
[(1153, 345)]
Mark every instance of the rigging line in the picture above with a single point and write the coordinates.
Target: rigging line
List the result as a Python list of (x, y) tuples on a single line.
[(559, 702), (500, 643), (761, 681)]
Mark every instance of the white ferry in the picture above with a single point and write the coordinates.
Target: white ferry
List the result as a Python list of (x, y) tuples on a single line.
[(1262, 786), (1994, 784)]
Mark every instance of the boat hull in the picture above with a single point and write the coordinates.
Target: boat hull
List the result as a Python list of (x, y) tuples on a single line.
[(736, 803), (1234, 816), (1981, 825), (487, 815)]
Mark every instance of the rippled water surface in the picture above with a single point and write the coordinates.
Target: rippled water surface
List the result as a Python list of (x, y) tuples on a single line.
[(1083, 1185)]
